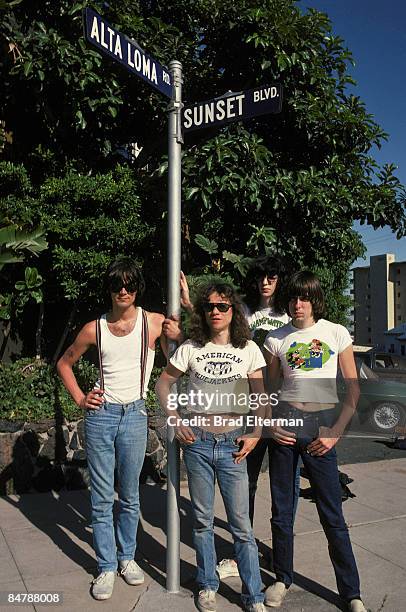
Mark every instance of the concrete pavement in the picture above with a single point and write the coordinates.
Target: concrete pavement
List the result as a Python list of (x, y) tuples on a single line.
[(46, 546)]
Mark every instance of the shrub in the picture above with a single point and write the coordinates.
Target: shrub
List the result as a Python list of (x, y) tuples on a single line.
[(31, 390)]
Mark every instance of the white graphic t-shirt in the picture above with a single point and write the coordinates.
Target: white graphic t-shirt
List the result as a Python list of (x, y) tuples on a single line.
[(218, 375), (262, 321), (309, 359)]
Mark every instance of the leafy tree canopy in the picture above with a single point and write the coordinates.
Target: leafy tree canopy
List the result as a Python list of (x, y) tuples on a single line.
[(292, 183)]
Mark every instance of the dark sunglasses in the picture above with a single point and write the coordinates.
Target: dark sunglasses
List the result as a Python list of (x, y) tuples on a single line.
[(269, 275), (221, 306), (116, 285)]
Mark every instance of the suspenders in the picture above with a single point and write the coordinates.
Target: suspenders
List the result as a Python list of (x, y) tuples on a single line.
[(144, 351)]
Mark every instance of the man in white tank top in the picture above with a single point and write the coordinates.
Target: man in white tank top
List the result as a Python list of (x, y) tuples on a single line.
[(115, 418)]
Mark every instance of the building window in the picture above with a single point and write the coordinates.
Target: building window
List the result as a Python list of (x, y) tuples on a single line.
[(398, 294), (398, 282), (398, 271), (399, 318), (369, 329)]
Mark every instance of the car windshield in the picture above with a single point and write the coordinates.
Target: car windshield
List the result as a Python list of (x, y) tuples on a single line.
[(364, 372)]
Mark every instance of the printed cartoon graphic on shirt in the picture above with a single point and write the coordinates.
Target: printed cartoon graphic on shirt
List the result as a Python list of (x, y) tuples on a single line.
[(308, 356)]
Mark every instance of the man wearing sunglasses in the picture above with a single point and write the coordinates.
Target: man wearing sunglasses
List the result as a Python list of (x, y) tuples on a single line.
[(115, 418), (224, 364)]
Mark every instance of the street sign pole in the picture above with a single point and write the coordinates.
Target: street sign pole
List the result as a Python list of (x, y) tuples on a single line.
[(174, 254)]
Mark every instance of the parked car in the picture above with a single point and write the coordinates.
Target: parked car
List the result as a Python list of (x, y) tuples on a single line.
[(382, 403), (386, 365)]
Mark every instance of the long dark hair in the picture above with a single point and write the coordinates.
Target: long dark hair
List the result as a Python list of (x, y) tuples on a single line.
[(124, 269), (199, 329), (265, 265), (306, 284)]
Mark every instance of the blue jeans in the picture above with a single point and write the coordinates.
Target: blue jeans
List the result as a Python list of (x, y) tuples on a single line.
[(254, 464), (116, 436), (323, 476), (208, 458)]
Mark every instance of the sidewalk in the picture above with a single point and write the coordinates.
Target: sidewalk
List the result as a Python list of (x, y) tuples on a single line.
[(45, 546)]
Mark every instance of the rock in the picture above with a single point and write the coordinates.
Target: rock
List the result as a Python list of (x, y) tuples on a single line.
[(10, 426), (81, 432), (79, 455), (153, 442), (7, 442), (48, 450), (74, 442), (32, 442), (40, 426)]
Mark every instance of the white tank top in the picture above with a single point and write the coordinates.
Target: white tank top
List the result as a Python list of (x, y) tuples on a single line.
[(121, 362)]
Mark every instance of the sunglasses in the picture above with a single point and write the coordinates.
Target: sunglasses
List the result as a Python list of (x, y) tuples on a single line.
[(269, 275), (116, 285), (221, 306)]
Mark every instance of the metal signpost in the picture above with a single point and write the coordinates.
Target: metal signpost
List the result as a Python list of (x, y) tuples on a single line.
[(127, 52), (212, 113)]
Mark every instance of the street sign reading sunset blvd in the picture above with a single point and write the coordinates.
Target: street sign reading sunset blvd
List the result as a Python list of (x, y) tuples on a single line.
[(233, 107), (125, 51)]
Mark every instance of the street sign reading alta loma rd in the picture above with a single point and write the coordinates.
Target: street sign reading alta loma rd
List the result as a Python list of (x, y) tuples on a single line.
[(125, 51), (233, 107)]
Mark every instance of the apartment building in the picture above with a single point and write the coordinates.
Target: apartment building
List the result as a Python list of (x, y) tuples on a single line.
[(379, 292)]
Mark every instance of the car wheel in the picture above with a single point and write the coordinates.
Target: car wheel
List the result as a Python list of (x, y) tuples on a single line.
[(385, 416)]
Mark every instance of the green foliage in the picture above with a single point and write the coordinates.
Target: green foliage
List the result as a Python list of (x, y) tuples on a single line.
[(291, 184), (13, 241), (31, 390), (89, 220)]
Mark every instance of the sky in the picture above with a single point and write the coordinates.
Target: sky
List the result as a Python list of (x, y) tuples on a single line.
[(375, 32)]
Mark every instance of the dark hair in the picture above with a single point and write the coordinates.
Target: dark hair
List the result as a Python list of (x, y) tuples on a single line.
[(199, 329), (305, 283), (124, 269), (265, 265)]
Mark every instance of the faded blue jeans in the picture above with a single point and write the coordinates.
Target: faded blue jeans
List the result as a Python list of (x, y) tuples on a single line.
[(209, 458), (116, 436)]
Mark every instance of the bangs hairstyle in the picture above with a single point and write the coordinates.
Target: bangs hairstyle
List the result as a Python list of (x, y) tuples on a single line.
[(124, 270), (261, 267), (199, 329), (306, 284)]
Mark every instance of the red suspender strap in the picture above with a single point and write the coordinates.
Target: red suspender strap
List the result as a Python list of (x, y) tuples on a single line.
[(98, 343), (144, 350)]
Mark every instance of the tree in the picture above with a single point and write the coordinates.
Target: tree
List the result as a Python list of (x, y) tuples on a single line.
[(89, 220), (292, 183)]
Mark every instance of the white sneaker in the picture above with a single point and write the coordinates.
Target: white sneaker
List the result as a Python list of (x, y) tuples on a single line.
[(356, 605), (275, 594), (206, 601), (102, 586), (227, 568), (131, 572), (255, 607)]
